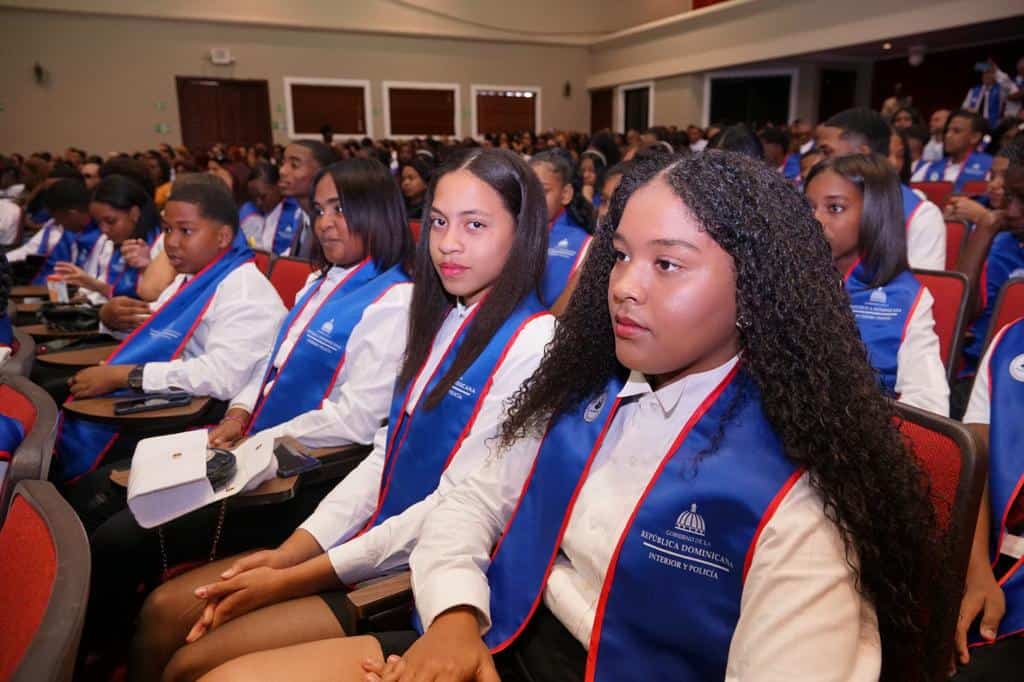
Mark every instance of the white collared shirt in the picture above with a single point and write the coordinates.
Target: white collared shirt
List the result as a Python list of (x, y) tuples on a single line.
[(920, 374), (231, 340), (32, 246), (96, 266), (979, 407), (934, 150), (358, 401), (349, 506), (926, 237), (801, 616), (10, 218)]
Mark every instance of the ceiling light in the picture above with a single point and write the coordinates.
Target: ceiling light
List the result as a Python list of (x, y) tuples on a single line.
[(886, 46)]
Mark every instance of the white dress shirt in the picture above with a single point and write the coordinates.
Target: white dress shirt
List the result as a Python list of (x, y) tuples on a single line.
[(359, 400), (920, 374), (934, 150), (229, 342), (96, 266), (349, 506), (979, 407), (801, 616), (926, 237), (10, 218), (31, 247), (919, 169)]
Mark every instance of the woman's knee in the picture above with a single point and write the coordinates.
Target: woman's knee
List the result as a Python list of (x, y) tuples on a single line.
[(189, 663)]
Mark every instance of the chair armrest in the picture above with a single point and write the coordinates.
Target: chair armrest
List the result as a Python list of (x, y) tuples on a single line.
[(379, 604)]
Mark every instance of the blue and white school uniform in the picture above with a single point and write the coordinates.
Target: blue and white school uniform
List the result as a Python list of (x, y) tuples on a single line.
[(250, 221), (332, 371), (896, 324), (997, 399), (926, 231), (920, 167), (568, 243), (975, 168), (987, 101), (659, 574), (106, 264), (80, 248), (40, 244), (1005, 260), (422, 454)]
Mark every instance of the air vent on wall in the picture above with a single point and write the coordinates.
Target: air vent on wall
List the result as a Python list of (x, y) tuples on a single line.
[(221, 56)]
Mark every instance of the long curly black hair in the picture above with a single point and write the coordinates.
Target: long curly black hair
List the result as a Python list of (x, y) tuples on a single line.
[(802, 350)]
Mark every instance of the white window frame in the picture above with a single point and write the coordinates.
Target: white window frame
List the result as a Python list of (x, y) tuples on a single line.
[(289, 81), (386, 87), (794, 87), (476, 88), (619, 104)]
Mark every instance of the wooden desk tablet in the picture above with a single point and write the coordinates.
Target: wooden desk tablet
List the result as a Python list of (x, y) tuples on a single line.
[(27, 308), (87, 357), (30, 291), (102, 410), (40, 332)]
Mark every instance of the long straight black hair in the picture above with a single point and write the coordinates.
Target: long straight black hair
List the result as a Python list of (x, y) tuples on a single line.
[(883, 233), (521, 192), (373, 209), (123, 193), (579, 209)]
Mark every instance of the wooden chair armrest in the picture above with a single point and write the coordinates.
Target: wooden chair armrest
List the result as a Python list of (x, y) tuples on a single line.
[(379, 604)]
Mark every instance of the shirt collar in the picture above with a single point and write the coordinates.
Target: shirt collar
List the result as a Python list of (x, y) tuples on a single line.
[(337, 273), (668, 396)]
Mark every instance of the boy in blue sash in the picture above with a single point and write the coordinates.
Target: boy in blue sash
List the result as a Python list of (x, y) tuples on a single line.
[(987, 99), (67, 201), (989, 641), (673, 524), (962, 162), (863, 131), (570, 218), (207, 332), (857, 200), (477, 331), (286, 230)]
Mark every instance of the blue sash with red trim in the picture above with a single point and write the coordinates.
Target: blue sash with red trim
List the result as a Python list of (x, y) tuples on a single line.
[(82, 444), (685, 549), (993, 107), (882, 314), (566, 240), (12, 432), (308, 373), (911, 202), (976, 167), (6, 330), (287, 222), (72, 247), (1006, 462), (421, 443)]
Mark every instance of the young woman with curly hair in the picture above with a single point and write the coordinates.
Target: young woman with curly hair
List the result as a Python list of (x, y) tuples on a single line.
[(704, 504)]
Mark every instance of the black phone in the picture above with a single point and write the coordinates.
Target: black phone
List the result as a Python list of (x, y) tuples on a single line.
[(291, 462), (151, 402)]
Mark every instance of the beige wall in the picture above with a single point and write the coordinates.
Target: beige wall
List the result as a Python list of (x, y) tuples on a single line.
[(678, 100), (112, 79), (751, 31)]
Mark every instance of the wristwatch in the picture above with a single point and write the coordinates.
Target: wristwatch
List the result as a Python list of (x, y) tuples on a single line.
[(135, 378)]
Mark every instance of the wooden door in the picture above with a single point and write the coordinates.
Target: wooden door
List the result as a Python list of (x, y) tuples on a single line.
[(223, 110), (341, 107), (601, 102)]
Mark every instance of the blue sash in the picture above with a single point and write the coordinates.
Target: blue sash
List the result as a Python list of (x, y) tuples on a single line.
[(566, 241), (791, 167), (72, 247), (287, 222), (81, 444), (11, 434), (308, 373), (1005, 260), (685, 550), (1006, 462), (976, 167), (248, 209), (6, 330), (421, 444), (993, 107), (882, 315)]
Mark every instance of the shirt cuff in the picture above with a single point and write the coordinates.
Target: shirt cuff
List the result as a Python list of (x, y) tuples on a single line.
[(455, 587), (322, 531), (354, 561), (154, 376)]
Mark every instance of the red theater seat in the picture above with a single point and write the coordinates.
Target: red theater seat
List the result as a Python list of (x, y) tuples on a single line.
[(288, 275), (1009, 307), (949, 289), (937, 192), (956, 237), (35, 409)]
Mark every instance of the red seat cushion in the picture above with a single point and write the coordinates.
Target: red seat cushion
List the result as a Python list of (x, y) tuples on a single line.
[(28, 566), (15, 404), (939, 455)]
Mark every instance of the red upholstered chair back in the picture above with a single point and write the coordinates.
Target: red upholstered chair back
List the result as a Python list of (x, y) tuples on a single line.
[(35, 409), (956, 466), (937, 192), (949, 289), (973, 188), (263, 259), (288, 275), (956, 237), (1009, 306), (415, 226), (44, 585)]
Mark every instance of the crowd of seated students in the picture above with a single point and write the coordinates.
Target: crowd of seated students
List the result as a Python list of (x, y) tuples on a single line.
[(711, 286)]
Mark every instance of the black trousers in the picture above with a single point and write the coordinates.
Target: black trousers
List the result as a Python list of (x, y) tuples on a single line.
[(128, 562)]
